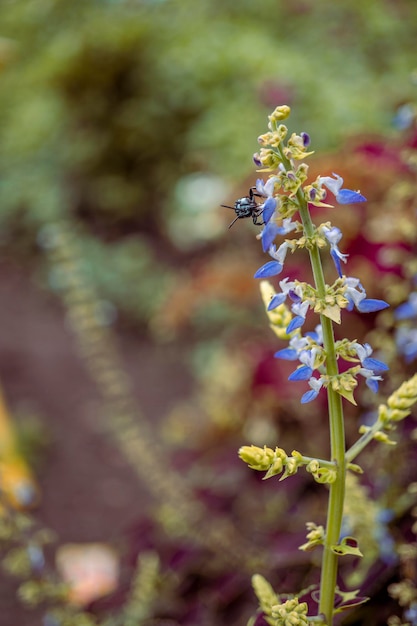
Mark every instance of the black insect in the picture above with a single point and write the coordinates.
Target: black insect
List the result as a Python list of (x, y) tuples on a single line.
[(247, 207)]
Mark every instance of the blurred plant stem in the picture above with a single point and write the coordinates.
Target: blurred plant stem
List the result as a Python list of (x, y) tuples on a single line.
[(182, 514)]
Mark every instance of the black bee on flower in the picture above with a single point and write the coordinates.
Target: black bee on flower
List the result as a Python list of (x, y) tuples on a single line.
[(249, 207)]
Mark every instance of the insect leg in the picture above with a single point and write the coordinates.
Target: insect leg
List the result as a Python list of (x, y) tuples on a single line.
[(235, 220)]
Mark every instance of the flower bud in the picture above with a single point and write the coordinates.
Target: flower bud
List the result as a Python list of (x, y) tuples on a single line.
[(257, 458), (280, 113)]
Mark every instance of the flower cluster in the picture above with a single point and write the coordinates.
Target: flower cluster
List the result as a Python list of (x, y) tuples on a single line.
[(308, 350), (290, 612), (277, 611), (275, 462), (286, 195)]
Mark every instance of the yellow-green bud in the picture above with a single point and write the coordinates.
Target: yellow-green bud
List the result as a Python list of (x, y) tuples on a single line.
[(257, 458), (281, 113), (266, 595), (315, 537), (268, 158), (265, 139), (281, 132), (383, 438), (290, 613), (313, 466), (403, 399)]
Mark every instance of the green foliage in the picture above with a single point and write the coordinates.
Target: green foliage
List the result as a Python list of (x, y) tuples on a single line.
[(106, 106)]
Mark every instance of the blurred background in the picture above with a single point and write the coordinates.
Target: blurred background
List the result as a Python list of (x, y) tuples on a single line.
[(135, 355)]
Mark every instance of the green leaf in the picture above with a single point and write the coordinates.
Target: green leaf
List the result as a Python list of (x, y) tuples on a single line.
[(346, 600)]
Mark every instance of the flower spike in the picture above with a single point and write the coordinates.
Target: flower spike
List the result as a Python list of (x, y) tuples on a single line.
[(317, 355)]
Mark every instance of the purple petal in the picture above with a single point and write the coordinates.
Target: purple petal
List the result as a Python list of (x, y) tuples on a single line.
[(347, 196), (306, 139), (289, 354), (369, 305), (309, 396), (374, 365), (269, 209), (276, 300), (295, 323), (294, 296), (301, 373), (272, 268)]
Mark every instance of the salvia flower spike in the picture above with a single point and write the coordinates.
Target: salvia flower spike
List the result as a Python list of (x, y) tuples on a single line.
[(325, 365)]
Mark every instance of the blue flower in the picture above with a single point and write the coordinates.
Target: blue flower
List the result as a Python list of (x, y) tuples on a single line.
[(372, 379), (272, 268), (356, 296), (404, 116), (316, 384), (371, 368), (268, 209), (305, 349), (316, 334), (280, 298), (269, 234), (266, 190), (411, 614), (299, 308), (301, 373), (288, 354), (407, 310), (307, 358), (333, 236), (272, 229), (364, 355), (406, 339), (343, 196), (292, 290), (297, 345)]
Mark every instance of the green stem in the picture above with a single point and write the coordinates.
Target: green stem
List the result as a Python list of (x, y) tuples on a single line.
[(329, 567), (337, 438), (335, 503), (363, 441)]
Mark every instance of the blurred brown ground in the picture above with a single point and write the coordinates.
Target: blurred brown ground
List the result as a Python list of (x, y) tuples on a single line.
[(89, 492)]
